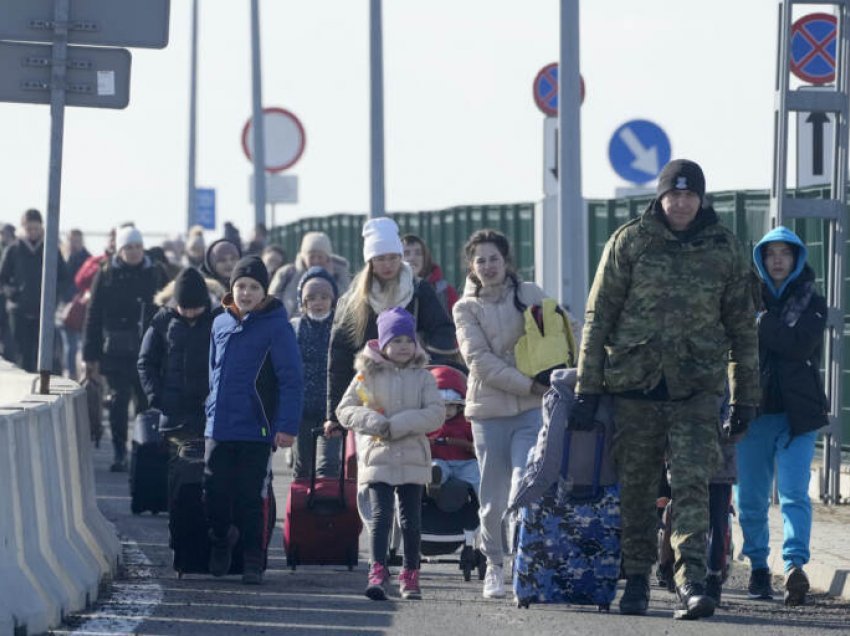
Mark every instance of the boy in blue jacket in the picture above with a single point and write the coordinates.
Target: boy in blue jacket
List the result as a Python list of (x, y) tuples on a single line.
[(251, 339)]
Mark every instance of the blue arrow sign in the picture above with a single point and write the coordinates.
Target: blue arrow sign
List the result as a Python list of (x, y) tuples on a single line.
[(204, 208), (638, 150)]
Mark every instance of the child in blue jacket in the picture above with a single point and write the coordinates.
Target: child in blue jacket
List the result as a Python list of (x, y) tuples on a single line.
[(251, 339)]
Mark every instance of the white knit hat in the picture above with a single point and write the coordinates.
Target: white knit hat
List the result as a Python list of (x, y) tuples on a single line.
[(380, 236), (127, 236)]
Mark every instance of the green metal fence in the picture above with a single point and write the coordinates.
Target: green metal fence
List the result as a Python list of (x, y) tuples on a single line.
[(444, 231)]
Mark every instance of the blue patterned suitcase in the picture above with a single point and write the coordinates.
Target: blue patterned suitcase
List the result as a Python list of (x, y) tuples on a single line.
[(568, 546)]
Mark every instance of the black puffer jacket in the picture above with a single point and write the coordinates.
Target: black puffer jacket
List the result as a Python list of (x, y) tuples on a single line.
[(790, 356), (20, 270), (174, 364), (119, 312), (432, 323)]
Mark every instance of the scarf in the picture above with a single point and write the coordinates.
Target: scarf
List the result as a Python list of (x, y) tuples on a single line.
[(797, 303)]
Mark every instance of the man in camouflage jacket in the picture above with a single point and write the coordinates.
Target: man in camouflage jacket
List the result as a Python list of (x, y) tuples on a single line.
[(669, 321)]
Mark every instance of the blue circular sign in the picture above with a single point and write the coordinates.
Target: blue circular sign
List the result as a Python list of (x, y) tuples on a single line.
[(638, 150), (813, 48)]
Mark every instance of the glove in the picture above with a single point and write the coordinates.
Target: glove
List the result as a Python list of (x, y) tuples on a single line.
[(740, 416), (582, 412)]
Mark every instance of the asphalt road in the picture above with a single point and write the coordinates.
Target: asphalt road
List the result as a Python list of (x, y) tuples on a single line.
[(149, 599)]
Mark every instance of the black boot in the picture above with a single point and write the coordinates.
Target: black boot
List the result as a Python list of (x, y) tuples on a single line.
[(796, 586), (693, 602), (635, 600), (252, 570), (221, 551)]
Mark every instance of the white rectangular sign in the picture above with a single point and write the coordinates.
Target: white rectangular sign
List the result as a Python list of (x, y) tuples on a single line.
[(815, 142), (280, 188)]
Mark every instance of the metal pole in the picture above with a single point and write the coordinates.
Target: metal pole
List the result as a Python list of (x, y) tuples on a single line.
[(258, 127), (780, 119), (837, 235), (51, 229), (193, 109), (571, 205), (376, 110)]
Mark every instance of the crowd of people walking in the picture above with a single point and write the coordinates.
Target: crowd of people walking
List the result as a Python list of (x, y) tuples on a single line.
[(700, 346)]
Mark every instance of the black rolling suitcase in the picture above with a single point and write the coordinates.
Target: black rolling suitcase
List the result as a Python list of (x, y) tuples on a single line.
[(187, 524), (148, 465)]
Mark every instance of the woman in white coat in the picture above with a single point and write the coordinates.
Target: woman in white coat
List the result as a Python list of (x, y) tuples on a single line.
[(503, 404)]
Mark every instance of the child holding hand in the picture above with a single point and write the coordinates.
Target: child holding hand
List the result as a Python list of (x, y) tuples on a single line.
[(392, 404)]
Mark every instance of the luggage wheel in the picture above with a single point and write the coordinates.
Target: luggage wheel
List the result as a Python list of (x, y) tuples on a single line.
[(603, 607), (179, 574), (352, 558), (522, 603), (292, 559)]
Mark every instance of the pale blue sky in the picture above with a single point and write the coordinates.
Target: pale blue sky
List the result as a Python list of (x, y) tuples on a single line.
[(461, 125)]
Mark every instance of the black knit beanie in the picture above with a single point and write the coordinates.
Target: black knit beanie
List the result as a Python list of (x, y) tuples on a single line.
[(681, 174), (190, 290), (252, 267)]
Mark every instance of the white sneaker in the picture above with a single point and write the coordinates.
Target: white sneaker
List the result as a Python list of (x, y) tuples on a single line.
[(494, 586)]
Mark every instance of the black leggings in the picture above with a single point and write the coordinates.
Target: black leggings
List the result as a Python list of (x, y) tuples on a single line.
[(410, 518)]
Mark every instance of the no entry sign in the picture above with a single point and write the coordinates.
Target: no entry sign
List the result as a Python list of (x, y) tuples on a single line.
[(813, 45), (284, 139), (545, 89)]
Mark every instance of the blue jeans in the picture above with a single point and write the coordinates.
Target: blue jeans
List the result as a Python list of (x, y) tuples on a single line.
[(769, 441), (70, 346)]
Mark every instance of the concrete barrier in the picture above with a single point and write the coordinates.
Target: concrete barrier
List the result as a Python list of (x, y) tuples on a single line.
[(55, 546)]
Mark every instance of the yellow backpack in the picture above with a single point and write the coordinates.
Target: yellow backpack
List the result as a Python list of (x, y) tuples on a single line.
[(548, 342)]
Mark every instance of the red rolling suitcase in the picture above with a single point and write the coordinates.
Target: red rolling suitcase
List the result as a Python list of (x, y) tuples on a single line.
[(322, 526)]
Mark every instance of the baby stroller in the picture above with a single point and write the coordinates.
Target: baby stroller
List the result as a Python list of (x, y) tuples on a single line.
[(450, 510)]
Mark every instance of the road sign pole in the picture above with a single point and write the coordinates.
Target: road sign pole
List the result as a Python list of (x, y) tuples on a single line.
[(376, 109), (259, 133), (50, 243), (193, 109), (571, 205)]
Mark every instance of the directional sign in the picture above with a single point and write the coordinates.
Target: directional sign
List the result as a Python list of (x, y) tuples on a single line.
[(815, 134), (204, 208), (545, 89), (638, 150), (813, 45), (95, 76), (103, 22), (284, 139)]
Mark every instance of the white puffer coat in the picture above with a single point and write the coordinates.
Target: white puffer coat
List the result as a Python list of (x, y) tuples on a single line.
[(403, 406), (488, 327)]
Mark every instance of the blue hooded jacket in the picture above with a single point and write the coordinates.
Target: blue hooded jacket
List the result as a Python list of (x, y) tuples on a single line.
[(238, 349), (784, 235)]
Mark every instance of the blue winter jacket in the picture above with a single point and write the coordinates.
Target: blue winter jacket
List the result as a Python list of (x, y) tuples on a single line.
[(238, 349)]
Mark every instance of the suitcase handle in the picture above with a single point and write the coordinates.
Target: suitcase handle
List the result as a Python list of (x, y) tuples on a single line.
[(598, 454), (316, 433)]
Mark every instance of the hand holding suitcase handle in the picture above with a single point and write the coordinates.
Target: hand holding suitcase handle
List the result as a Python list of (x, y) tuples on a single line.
[(316, 433)]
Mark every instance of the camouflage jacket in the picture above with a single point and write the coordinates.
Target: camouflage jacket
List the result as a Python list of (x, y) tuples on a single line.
[(673, 307)]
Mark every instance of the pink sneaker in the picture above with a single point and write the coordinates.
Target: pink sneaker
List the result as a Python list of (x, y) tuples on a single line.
[(377, 586), (408, 583)]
